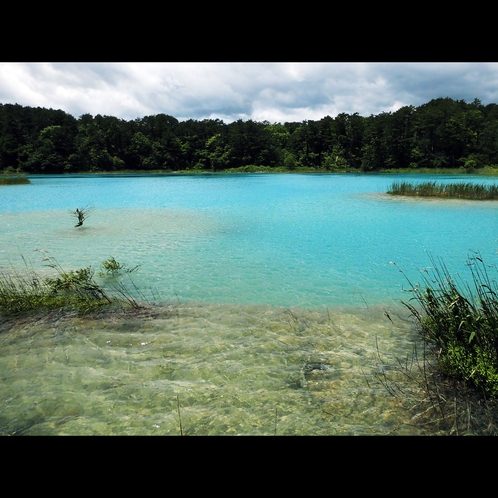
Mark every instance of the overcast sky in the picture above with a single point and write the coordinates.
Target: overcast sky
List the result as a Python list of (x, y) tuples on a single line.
[(276, 92)]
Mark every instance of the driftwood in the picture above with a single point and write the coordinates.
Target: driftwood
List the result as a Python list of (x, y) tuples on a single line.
[(81, 215)]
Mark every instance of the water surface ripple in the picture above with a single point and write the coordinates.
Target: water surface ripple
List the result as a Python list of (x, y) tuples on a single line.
[(269, 294)]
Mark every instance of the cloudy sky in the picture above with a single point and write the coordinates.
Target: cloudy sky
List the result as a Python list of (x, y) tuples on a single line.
[(276, 92)]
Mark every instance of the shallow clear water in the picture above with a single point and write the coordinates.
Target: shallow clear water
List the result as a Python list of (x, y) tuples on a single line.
[(231, 368), (256, 279)]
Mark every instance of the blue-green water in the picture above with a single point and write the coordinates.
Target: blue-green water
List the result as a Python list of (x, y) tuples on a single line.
[(256, 277), (289, 240)]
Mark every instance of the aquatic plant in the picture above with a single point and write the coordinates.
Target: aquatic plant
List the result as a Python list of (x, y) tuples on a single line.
[(466, 190), (460, 321), (13, 176), (17, 180), (27, 291), (112, 267)]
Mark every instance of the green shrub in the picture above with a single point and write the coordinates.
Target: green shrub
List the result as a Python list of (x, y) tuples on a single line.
[(251, 168)]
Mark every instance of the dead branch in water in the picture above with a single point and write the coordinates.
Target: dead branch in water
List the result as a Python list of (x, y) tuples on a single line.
[(81, 215)]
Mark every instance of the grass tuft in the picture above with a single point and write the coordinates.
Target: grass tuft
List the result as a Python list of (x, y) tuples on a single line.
[(27, 291)]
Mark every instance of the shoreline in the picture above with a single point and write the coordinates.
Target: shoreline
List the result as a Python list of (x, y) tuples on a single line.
[(486, 171)]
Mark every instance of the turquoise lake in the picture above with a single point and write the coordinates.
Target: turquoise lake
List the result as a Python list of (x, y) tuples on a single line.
[(267, 297), (289, 240)]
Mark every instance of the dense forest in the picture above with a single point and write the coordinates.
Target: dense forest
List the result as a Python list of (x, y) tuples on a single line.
[(443, 133)]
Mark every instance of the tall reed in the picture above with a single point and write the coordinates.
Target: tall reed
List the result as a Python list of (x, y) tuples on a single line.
[(466, 190), (461, 320)]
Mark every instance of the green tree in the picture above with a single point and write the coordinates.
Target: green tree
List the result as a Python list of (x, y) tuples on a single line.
[(375, 148), (192, 136), (91, 153), (290, 161), (334, 159), (49, 153), (217, 154), (350, 131)]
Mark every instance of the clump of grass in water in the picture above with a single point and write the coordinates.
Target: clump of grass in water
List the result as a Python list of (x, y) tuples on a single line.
[(13, 176), (112, 267), (461, 322), (467, 190), (14, 181), (67, 290)]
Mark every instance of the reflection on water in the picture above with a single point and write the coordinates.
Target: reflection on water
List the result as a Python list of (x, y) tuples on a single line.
[(233, 370)]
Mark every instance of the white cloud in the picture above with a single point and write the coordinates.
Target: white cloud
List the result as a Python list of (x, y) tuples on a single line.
[(276, 92)]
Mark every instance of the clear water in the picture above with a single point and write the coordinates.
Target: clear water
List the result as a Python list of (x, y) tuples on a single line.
[(256, 279)]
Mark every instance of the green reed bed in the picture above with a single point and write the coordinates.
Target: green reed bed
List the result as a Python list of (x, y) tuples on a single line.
[(27, 291), (460, 320), (466, 190), (21, 180)]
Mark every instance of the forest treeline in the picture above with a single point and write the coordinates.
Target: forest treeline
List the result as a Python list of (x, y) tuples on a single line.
[(443, 133)]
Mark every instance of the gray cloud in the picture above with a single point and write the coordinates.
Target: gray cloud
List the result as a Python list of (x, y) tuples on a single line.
[(276, 92)]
